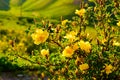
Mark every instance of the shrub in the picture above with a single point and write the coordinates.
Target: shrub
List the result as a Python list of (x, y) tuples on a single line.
[(66, 50), (73, 54)]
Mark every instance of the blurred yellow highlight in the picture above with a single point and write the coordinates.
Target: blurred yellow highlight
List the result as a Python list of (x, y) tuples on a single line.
[(64, 22), (84, 67), (108, 68), (80, 12), (118, 24), (45, 52)]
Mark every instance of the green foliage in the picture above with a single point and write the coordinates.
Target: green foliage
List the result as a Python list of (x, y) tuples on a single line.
[(66, 49)]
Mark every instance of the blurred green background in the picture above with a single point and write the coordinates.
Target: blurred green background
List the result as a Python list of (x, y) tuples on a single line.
[(21, 12), (48, 8)]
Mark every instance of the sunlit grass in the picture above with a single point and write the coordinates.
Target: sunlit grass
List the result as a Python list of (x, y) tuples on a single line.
[(12, 25)]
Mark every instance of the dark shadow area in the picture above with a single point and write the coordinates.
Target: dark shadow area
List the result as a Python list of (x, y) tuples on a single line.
[(4, 4), (6, 65)]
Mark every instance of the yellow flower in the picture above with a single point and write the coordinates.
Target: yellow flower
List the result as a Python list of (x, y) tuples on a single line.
[(108, 68), (45, 52), (21, 44), (94, 78), (115, 43), (103, 41), (59, 78), (85, 46), (40, 36), (118, 24), (42, 75), (68, 51), (64, 22), (75, 46), (71, 36), (63, 70), (84, 67), (80, 12)]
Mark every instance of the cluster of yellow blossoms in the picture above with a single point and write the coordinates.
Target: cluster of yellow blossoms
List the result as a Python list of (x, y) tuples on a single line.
[(69, 51), (115, 43), (71, 36), (80, 12), (85, 46), (40, 36)]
